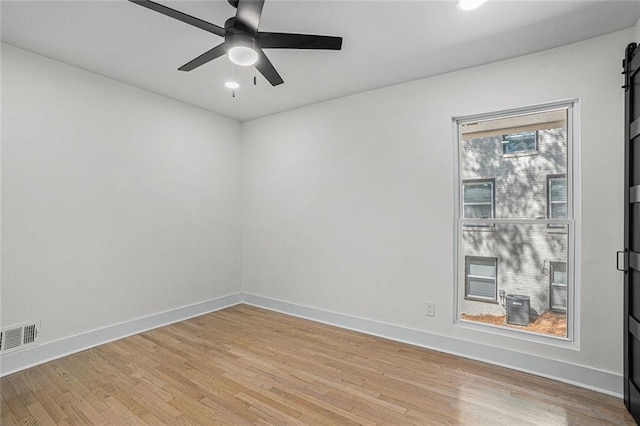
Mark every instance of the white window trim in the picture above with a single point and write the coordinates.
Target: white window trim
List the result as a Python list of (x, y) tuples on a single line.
[(574, 226)]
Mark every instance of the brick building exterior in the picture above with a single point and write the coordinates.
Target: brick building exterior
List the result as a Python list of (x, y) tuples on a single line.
[(524, 173)]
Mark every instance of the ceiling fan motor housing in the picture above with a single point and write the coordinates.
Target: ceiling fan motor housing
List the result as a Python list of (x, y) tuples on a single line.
[(235, 36)]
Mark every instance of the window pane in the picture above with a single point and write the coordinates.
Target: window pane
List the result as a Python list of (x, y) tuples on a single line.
[(521, 189), (559, 298), (558, 190), (560, 278), (519, 142), (482, 287), (482, 269), (477, 193), (558, 211), (559, 273), (523, 253), (477, 212)]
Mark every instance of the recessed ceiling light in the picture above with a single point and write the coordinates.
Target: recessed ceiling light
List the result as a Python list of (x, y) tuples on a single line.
[(470, 4), (231, 85)]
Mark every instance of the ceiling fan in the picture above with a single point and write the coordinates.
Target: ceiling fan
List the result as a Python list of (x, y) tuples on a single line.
[(242, 40)]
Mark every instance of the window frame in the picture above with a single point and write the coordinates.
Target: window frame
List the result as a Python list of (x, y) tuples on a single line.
[(571, 224), (552, 283), (551, 178), (467, 269), (493, 196)]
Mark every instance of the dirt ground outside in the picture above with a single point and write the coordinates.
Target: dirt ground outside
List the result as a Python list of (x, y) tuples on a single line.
[(549, 323)]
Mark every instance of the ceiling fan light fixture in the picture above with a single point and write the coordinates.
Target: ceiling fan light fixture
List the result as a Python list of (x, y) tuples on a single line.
[(231, 85), (466, 5), (241, 48), (243, 55)]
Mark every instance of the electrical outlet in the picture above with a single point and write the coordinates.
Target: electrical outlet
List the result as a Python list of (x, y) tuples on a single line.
[(430, 309)]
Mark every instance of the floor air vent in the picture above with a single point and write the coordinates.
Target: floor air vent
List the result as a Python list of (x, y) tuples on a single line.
[(19, 337)]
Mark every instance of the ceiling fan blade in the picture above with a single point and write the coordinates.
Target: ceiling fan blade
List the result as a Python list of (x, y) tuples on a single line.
[(207, 56), (248, 14), (298, 41), (172, 13), (267, 69)]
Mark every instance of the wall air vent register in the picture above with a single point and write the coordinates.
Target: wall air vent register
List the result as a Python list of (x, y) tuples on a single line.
[(18, 337)]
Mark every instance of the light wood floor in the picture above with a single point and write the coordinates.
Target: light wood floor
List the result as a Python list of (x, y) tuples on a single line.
[(244, 365)]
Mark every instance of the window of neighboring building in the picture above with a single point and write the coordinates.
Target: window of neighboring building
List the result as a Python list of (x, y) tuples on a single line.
[(478, 199), (515, 143), (557, 197), (481, 278), (558, 293)]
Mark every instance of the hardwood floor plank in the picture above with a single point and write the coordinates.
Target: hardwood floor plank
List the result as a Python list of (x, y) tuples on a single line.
[(6, 413), (14, 402), (249, 366), (40, 414), (85, 408), (85, 381)]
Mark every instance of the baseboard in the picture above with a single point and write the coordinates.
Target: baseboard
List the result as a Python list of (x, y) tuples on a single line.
[(586, 377), (16, 361)]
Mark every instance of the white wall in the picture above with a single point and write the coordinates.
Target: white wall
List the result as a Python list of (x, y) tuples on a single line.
[(348, 204), (636, 33), (117, 203)]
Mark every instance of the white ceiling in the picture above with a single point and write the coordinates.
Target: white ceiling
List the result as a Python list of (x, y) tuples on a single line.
[(385, 42)]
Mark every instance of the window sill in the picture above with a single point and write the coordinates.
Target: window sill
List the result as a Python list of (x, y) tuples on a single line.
[(557, 230), (561, 342), (477, 299), (479, 228)]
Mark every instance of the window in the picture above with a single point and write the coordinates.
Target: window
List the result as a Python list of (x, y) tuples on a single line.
[(481, 281), (558, 293), (478, 199), (557, 197), (520, 199), (514, 143)]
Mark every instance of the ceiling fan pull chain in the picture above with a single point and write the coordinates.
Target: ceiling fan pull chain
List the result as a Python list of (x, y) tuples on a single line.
[(255, 78), (233, 73)]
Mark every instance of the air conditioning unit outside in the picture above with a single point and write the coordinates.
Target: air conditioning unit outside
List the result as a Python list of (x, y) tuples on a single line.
[(518, 309)]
